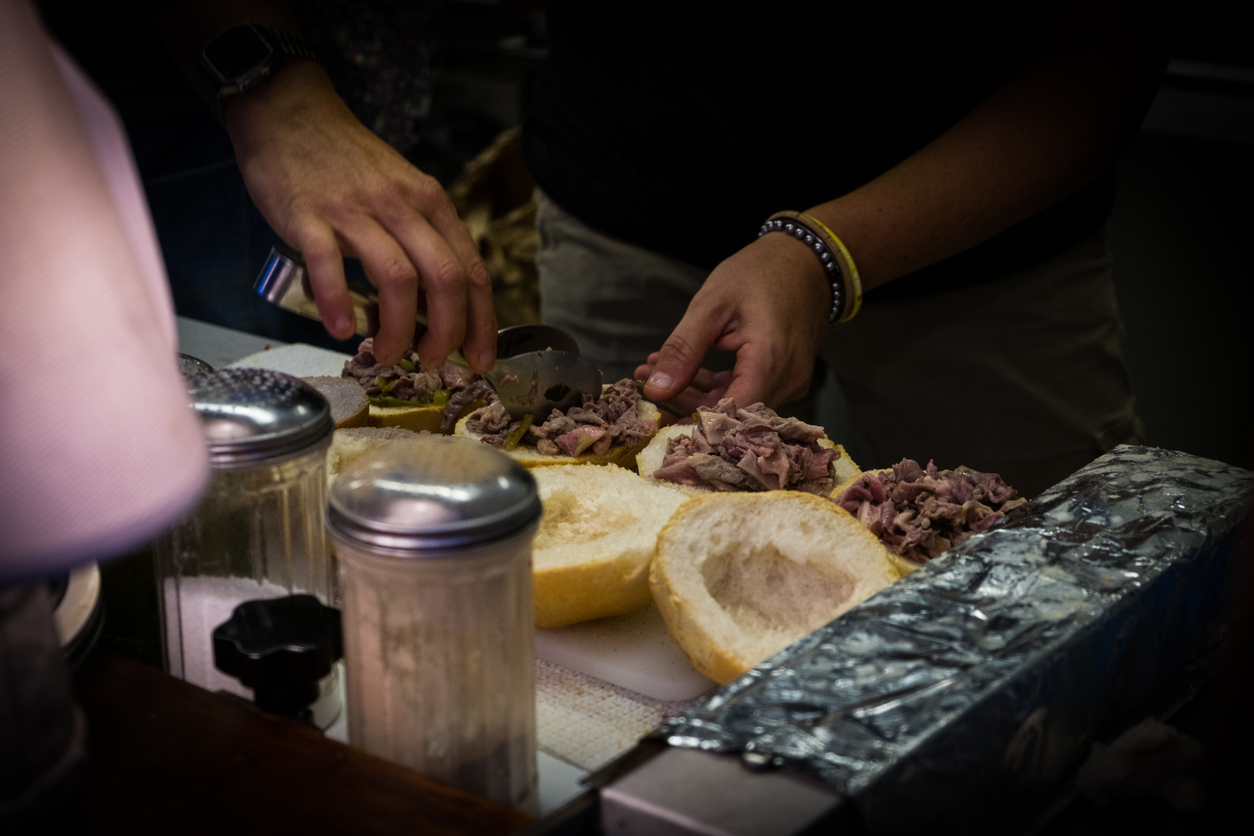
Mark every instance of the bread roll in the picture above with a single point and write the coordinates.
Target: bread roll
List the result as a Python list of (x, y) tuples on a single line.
[(596, 538), (349, 405), (740, 576), (424, 418), (347, 446)]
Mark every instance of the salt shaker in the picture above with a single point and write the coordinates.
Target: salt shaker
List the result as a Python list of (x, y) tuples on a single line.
[(260, 530), (434, 540)]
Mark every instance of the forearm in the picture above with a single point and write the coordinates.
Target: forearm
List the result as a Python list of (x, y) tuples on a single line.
[(1044, 133), (1047, 132), (299, 96)]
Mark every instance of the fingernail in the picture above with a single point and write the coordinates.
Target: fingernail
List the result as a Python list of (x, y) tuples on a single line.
[(486, 359), (343, 325), (660, 380)]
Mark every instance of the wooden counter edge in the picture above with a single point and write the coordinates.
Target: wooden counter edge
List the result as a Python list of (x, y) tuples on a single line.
[(165, 755)]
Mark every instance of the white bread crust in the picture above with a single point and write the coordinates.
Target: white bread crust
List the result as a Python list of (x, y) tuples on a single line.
[(740, 576), (596, 539)]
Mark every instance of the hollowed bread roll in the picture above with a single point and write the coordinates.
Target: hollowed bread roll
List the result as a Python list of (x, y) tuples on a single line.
[(740, 576), (596, 538)]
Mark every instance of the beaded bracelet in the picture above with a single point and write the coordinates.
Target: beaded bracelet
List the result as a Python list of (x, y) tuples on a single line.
[(842, 273)]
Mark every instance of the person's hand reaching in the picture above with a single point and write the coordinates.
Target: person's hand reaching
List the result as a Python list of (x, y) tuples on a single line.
[(768, 303), (331, 188)]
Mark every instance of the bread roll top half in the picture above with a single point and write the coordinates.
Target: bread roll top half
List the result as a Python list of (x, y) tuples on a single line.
[(349, 405), (596, 538)]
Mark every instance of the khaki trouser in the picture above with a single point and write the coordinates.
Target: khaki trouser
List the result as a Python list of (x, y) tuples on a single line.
[(1023, 375)]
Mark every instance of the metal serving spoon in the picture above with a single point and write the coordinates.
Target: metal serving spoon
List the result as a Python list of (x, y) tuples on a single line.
[(538, 382), (538, 367)]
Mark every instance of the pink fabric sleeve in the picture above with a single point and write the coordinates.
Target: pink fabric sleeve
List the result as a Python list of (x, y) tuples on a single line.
[(99, 449)]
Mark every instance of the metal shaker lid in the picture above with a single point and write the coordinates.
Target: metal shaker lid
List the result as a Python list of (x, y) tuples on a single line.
[(254, 416), (190, 365), (423, 497)]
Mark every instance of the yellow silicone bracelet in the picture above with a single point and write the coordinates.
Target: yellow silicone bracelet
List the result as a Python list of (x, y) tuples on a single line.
[(842, 272), (849, 269)]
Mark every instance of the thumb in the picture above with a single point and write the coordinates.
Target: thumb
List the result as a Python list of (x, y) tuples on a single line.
[(680, 357)]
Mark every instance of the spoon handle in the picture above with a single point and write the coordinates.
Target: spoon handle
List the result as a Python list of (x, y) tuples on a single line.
[(284, 281)]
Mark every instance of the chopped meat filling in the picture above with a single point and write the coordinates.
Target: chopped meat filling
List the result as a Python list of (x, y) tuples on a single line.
[(749, 449), (593, 426), (919, 513), (407, 381), (462, 398)]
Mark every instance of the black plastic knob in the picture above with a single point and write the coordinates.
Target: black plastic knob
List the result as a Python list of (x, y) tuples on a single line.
[(280, 647)]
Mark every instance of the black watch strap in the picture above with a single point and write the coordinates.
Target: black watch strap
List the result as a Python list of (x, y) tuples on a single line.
[(285, 43)]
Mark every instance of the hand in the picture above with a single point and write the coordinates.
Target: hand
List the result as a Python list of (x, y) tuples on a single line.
[(706, 389), (331, 188), (769, 304)]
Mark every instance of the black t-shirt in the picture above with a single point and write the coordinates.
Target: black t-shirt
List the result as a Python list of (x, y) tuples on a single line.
[(683, 132)]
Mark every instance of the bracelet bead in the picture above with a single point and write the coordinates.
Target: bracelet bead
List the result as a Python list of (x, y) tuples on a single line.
[(842, 274)]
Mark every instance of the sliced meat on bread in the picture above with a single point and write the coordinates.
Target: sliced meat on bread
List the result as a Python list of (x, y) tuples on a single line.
[(901, 564), (408, 396), (596, 538), (921, 512), (649, 460), (740, 576), (618, 454), (349, 405)]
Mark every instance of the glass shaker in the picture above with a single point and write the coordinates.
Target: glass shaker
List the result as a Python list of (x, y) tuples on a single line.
[(434, 540), (260, 530)]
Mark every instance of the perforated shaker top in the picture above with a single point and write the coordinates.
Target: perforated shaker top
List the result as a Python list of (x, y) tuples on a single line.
[(431, 496), (255, 416)]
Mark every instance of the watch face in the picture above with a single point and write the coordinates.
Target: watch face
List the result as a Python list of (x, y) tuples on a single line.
[(237, 51)]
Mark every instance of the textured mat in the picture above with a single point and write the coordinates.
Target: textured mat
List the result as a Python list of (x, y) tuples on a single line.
[(588, 722)]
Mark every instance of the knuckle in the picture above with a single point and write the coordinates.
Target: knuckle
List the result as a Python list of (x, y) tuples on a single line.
[(678, 347), (444, 275), (318, 253), (428, 193), (479, 276), (399, 273), (391, 200)]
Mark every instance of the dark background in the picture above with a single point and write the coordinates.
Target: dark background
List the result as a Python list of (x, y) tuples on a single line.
[(1181, 228)]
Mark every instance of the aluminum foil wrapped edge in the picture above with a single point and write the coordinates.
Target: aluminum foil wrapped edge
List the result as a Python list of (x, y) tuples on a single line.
[(997, 662)]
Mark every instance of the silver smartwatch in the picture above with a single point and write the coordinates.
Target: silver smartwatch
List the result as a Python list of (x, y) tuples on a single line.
[(244, 56)]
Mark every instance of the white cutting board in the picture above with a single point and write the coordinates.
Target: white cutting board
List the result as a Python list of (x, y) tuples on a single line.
[(297, 359), (633, 651)]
